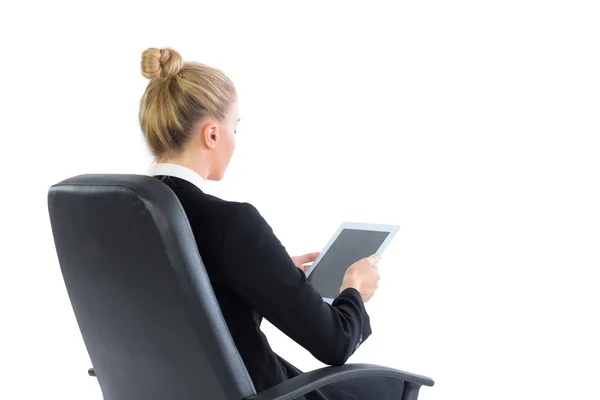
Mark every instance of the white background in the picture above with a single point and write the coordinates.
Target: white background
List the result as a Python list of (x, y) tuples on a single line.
[(473, 124)]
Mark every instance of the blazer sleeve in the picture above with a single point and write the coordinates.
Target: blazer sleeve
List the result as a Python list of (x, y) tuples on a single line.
[(260, 271)]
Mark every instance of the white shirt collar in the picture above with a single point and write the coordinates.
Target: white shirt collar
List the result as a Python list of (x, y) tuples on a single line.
[(179, 171)]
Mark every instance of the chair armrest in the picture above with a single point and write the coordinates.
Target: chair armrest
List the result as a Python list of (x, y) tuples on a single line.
[(309, 381)]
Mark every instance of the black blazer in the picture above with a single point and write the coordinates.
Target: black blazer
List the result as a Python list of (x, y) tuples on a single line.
[(253, 277)]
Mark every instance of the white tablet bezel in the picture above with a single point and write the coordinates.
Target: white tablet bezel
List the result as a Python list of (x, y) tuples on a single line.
[(391, 229)]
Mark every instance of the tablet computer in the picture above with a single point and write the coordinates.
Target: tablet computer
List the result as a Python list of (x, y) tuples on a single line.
[(350, 243)]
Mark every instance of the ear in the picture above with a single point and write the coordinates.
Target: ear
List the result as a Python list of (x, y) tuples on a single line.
[(209, 132)]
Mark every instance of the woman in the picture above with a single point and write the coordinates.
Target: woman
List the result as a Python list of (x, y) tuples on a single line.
[(189, 116)]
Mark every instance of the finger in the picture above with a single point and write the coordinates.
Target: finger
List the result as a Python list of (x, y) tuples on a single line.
[(374, 259), (368, 293), (307, 258), (376, 269)]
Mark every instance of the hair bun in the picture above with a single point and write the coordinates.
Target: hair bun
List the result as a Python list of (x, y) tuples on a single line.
[(161, 63)]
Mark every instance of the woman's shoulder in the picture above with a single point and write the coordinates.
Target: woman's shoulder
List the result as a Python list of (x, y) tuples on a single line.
[(237, 225), (196, 200), (234, 214), (242, 213), (237, 217)]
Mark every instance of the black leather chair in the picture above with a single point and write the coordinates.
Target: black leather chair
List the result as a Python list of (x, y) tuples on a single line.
[(144, 304)]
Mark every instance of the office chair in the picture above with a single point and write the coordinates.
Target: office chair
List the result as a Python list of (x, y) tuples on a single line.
[(144, 304)]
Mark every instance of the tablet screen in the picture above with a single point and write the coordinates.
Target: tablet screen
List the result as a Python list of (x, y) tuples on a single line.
[(350, 246)]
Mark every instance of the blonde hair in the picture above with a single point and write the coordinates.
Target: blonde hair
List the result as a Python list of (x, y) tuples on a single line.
[(180, 94)]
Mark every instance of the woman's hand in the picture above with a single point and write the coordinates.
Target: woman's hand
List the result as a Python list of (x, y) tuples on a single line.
[(300, 261), (364, 276)]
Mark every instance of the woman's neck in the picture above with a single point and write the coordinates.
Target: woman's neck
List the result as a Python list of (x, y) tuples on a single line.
[(195, 162)]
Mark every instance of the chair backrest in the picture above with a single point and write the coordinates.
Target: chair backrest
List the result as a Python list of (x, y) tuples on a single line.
[(140, 293)]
